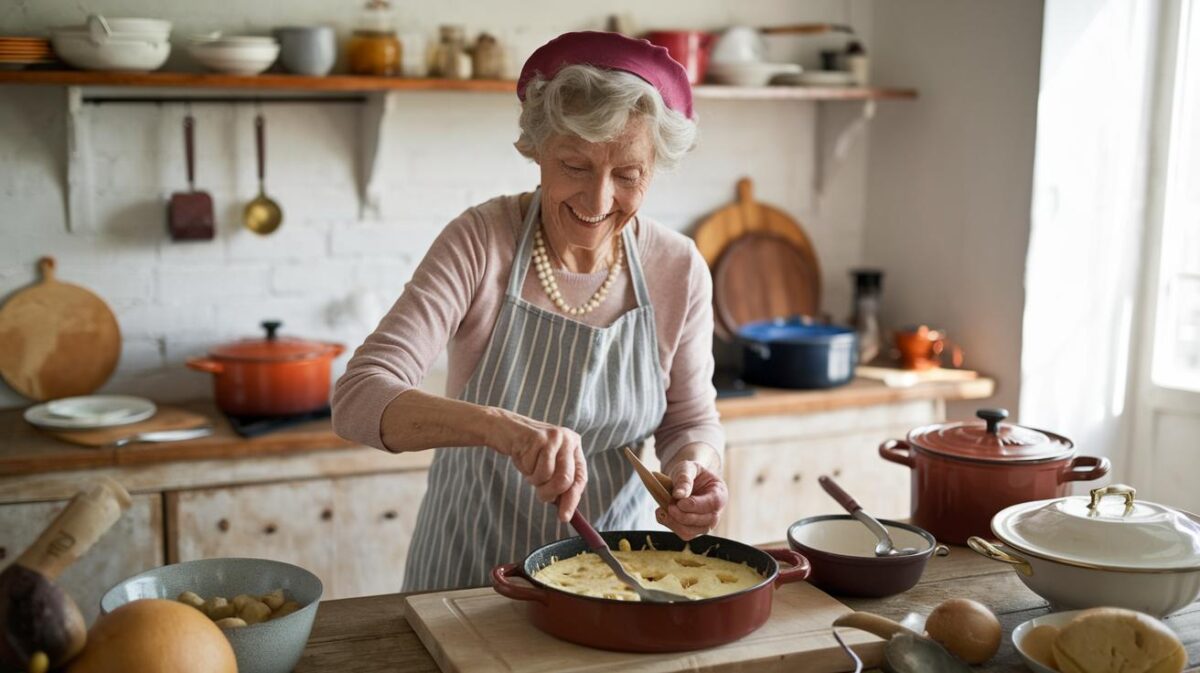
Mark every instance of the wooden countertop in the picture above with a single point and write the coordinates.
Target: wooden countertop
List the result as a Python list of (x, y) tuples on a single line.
[(365, 635), (26, 450)]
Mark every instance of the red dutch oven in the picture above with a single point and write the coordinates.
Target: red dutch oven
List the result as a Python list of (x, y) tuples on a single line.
[(964, 473), (275, 376), (633, 626)]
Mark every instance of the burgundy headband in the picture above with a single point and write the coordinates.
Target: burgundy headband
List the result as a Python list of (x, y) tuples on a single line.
[(614, 52)]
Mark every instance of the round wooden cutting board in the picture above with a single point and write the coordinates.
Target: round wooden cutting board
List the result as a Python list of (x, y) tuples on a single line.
[(57, 339), (743, 217), (762, 276)]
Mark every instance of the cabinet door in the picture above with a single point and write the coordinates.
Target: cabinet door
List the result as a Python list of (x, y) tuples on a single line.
[(375, 516), (291, 522), (772, 484), (132, 545)]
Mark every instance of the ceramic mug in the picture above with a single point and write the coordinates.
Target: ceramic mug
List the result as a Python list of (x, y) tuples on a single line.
[(307, 50), (922, 347)]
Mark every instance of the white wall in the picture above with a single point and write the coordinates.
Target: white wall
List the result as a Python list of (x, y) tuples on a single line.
[(326, 274), (949, 180)]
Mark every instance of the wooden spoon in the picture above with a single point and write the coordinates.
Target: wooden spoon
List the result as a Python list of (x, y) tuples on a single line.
[(657, 483)]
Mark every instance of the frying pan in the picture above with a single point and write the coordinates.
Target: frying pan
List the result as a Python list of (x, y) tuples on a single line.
[(632, 626)]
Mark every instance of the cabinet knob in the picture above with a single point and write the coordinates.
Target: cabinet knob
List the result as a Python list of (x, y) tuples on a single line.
[(760, 479), (326, 514), (223, 525), (270, 529), (390, 514), (837, 471), (796, 478)]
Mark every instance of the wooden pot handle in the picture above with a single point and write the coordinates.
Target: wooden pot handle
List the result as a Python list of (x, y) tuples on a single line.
[(76, 529)]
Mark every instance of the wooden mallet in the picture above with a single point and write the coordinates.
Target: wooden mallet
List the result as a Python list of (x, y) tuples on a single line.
[(36, 616)]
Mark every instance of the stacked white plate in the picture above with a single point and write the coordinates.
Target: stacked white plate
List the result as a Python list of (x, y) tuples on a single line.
[(114, 44), (235, 54), (88, 412)]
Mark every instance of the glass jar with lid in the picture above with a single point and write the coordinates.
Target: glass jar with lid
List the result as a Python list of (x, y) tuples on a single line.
[(374, 48)]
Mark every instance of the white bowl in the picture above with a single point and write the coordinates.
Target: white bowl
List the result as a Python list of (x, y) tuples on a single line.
[(113, 54), (122, 28), (749, 73), (1056, 619), (235, 59), (739, 44)]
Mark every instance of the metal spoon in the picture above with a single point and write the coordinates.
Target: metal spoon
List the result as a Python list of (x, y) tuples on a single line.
[(885, 547), (262, 215), (906, 651)]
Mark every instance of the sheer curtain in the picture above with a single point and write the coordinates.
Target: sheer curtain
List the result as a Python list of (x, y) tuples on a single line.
[(1090, 174)]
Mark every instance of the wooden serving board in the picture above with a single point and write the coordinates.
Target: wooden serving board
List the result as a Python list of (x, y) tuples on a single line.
[(57, 339), (475, 630), (166, 418), (744, 216)]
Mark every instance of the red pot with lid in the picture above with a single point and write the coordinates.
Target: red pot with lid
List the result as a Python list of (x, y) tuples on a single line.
[(964, 473), (272, 376)]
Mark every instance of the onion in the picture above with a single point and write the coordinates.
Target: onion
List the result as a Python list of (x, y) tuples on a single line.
[(966, 628)]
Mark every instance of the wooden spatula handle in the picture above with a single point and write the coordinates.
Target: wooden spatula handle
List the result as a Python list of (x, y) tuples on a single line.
[(843, 498), (76, 529)]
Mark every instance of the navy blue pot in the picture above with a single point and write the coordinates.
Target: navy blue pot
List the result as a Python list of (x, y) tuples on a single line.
[(793, 353)]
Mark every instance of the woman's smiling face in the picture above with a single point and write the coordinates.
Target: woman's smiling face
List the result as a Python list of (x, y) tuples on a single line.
[(592, 190)]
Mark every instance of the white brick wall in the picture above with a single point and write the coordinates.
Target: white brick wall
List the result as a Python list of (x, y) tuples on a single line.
[(326, 274)]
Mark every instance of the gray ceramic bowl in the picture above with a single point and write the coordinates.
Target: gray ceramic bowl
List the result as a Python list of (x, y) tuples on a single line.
[(270, 647)]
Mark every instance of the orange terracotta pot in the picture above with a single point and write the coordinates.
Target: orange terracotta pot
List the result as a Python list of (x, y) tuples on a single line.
[(275, 376)]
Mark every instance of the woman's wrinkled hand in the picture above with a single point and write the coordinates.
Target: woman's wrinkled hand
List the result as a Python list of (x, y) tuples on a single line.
[(550, 458), (699, 495)]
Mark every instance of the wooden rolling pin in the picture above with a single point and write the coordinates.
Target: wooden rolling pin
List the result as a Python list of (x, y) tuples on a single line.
[(38, 620)]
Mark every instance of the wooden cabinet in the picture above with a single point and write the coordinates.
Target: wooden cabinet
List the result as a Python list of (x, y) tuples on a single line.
[(132, 545), (772, 465), (352, 532)]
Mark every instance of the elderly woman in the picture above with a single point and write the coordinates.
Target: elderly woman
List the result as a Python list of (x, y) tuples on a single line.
[(575, 327)]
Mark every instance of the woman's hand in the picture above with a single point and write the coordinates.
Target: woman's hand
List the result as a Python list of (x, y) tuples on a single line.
[(550, 458), (698, 492)]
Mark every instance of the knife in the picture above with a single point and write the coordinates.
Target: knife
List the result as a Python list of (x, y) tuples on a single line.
[(163, 436)]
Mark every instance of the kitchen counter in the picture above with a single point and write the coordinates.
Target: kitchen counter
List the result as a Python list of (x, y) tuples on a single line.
[(364, 635), (26, 450)]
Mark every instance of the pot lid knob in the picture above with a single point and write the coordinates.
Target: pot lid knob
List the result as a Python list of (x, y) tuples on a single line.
[(273, 325), (992, 417)]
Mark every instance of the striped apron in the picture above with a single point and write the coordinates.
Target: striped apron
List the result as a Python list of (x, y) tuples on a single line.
[(605, 383)]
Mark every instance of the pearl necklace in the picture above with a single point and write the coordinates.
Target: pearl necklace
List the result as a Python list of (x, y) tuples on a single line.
[(545, 272)]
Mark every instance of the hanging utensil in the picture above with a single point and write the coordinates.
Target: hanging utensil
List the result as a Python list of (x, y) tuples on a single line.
[(599, 547), (190, 213), (885, 546), (262, 215)]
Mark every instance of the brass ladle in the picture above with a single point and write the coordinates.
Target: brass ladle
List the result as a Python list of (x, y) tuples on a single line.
[(262, 215)]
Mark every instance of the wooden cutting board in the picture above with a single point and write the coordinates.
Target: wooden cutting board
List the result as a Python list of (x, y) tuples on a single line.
[(744, 216), (166, 418), (762, 276), (475, 630), (57, 339)]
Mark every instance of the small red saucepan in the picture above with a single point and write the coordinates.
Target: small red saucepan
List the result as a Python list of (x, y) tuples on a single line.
[(689, 48), (632, 626), (275, 376)]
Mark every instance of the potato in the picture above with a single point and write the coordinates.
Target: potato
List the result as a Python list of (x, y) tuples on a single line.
[(231, 623), (218, 608), (239, 601), (254, 611), (192, 599), (965, 627), (274, 599), (285, 609)]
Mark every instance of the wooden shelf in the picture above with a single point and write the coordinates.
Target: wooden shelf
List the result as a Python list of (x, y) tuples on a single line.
[(360, 84)]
